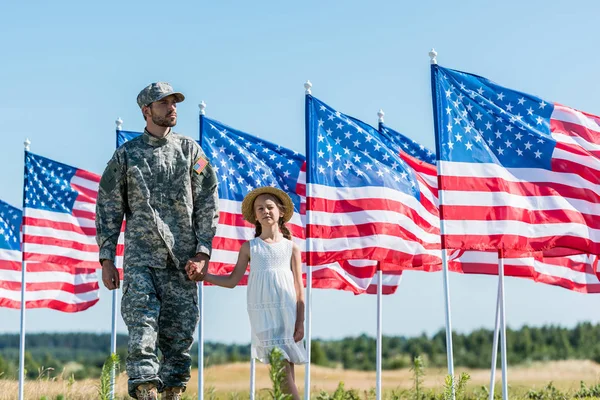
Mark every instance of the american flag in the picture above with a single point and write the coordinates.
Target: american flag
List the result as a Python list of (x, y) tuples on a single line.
[(59, 219), (59, 287), (576, 272), (125, 136), (243, 162), (524, 172), (363, 199)]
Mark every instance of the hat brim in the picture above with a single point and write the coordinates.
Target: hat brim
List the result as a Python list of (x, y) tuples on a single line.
[(248, 203), (178, 96)]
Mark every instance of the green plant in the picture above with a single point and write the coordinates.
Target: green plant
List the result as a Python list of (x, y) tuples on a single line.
[(370, 394), (106, 387), (44, 373), (340, 394), (234, 396), (418, 370), (585, 392), (550, 392), (448, 393), (461, 386), (70, 383), (210, 393), (398, 394), (454, 388), (277, 375), (323, 395), (483, 393)]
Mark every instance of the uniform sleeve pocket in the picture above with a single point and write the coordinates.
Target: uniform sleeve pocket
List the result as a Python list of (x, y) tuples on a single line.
[(111, 176)]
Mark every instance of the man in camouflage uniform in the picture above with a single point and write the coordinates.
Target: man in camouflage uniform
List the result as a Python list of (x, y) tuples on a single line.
[(163, 184)]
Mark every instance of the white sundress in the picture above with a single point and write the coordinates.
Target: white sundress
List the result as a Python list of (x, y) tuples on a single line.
[(272, 301)]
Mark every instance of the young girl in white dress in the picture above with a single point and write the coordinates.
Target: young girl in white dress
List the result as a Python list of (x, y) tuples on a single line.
[(275, 290)]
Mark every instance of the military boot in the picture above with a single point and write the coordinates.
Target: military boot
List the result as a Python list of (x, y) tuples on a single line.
[(172, 393), (146, 391)]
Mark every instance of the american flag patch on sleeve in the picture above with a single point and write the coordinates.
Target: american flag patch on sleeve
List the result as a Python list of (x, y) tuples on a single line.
[(200, 164)]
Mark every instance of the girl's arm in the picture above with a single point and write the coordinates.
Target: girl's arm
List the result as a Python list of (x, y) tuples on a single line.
[(231, 280), (297, 272)]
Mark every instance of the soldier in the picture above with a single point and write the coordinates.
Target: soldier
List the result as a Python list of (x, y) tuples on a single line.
[(164, 186)]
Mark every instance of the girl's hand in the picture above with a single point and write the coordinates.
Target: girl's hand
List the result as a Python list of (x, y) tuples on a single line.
[(299, 331), (197, 267)]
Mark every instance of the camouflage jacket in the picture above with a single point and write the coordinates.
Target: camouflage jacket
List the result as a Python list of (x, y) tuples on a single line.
[(171, 209)]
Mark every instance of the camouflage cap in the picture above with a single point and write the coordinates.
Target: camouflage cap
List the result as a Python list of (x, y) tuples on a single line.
[(156, 91)]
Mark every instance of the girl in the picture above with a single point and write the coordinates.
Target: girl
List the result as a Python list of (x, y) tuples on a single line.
[(275, 291)]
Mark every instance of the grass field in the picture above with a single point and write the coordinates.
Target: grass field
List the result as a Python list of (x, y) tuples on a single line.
[(225, 380)]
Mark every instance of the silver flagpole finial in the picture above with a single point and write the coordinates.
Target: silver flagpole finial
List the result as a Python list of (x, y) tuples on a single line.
[(432, 56), (307, 87)]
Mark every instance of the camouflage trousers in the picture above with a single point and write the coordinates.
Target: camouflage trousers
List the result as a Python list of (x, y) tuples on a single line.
[(160, 309)]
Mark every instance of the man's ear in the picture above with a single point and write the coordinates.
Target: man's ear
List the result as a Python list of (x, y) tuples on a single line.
[(146, 111)]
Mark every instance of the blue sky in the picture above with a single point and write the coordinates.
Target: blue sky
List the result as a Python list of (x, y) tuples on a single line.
[(70, 68)]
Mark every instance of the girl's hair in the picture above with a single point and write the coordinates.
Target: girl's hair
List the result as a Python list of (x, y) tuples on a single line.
[(282, 227)]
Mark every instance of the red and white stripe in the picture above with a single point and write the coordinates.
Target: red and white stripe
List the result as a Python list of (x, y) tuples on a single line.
[(487, 206), (389, 281), (357, 276), (574, 272), (58, 287), (65, 239), (120, 251), (370, 223)]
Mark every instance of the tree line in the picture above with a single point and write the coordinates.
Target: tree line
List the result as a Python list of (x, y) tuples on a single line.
[(81, 355)]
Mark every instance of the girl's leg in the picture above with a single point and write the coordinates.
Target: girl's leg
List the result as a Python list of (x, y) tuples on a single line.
[(290, 381)]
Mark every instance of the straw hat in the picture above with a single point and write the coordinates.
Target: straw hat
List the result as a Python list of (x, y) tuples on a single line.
[(248, 203)]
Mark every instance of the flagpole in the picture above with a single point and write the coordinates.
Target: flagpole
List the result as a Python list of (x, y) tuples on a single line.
[(378, 362), (113, 328), (307, 91), (450, 356), (379, 328), (503, 325), (495, 350), (252, 376), (23, 287), (201, 341), (202, 112)]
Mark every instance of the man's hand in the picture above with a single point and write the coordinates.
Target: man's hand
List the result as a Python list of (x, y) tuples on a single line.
[(299, 331), (197, 267), (110, 275)]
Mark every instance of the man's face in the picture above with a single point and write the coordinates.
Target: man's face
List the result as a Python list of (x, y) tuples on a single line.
[(163, 112)]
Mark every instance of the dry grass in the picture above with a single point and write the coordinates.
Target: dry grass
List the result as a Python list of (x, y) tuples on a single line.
[(230, 378)]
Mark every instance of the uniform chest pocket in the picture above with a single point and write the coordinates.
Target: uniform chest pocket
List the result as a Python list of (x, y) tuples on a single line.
[(137, 184), (180, 188)]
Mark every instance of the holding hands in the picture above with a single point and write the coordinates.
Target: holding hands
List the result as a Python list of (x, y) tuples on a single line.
[(197, 267)]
